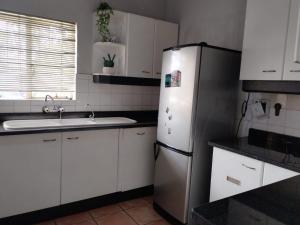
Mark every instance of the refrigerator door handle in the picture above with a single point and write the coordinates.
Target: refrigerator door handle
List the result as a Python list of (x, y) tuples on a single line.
[(156, 151)]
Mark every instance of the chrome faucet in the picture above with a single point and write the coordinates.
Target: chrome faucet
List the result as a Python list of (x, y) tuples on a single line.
[(56, 108), (92, 115)]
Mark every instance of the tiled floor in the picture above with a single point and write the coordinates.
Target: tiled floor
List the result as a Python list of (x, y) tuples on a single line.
[(133, 212)]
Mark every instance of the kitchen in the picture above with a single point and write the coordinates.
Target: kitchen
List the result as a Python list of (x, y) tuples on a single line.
[(100, 126)]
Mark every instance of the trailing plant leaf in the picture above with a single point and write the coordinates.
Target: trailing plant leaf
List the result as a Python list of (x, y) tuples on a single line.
[(104, 13)]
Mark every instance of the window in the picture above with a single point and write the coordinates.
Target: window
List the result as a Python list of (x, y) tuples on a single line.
[(37, 57)]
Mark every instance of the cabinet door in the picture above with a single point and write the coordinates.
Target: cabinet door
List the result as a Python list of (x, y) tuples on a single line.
[(273, 174), (29, 173), (140, 46), (264, 39), (292, 58), (89, 164), (136, 161), (233, 174), (166, 35)]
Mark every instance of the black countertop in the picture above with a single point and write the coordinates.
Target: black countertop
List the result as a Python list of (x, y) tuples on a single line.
[(275, 157), (276, 204), (143, 118)]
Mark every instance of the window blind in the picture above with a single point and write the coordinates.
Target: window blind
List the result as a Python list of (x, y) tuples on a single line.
[(37, 57)]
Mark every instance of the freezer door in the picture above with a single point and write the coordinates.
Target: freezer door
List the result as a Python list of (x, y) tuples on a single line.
[(179, 73), (171, 183)]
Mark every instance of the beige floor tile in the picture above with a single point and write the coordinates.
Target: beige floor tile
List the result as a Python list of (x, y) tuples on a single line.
[(104, 211), (74, 219), (119, 218), (143, 215), (133, 203)]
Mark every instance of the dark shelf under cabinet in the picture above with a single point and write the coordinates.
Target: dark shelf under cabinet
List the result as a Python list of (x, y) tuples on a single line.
[(120, 80)]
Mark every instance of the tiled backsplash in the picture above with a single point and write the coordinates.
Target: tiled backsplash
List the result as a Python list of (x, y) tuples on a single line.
[(288, 122), (102, 97)]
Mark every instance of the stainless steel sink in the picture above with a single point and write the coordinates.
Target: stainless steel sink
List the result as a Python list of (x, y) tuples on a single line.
[(57, 123)]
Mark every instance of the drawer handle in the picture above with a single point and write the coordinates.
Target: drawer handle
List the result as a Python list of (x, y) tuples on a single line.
[(295, 71), (269, 71), (73, 138), (233, 180), (158, 73), (141, 134), (49, 140), (248, 167), (145, 71)]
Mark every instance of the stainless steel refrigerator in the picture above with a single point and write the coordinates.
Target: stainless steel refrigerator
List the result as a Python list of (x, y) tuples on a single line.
[(198, 102)]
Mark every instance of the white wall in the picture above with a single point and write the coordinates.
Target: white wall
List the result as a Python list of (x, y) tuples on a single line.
[(288, 122), (216, 22), (101, 97)]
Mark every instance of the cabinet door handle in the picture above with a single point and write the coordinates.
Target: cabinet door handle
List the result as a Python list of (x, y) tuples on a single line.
[(248, 167), (295, 71), (269, 71), (158, 73), (73, 138), (145, 71), (297, 46), (49, 140), (141, 134), (233, 180)]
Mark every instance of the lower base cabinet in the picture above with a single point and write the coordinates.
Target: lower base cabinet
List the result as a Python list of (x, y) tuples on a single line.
[(233, 174), (30, 167), (39, 171), (136, 158), (89, 164), (273, 174)]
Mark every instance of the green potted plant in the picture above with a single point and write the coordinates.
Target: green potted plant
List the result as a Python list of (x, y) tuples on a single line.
[(104, 13), (108, 64)]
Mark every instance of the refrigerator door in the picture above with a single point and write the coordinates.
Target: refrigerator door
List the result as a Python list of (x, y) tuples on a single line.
[(179, 74), (171, 183)]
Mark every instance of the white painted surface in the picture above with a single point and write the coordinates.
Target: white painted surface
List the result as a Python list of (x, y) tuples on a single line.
[(166, 35), (264, 39), (273, 174), (89, 164), (54, 123), (29, 173), (140, 46), (292, 57), (136, 159), (176, 103), (246, 174)]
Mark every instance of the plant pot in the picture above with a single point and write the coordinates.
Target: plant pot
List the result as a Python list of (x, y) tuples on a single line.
[(108, 70)]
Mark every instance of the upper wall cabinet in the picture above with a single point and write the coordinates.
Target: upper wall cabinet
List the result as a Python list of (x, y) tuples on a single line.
[(141, 41), (265, 39), (140, 46), (292, 58), (166, 35)]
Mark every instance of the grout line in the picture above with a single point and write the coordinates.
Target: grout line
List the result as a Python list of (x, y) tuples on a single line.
[(93, 219), (131, 217)]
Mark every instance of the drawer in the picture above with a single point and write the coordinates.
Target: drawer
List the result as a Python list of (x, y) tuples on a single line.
[(233, 174)]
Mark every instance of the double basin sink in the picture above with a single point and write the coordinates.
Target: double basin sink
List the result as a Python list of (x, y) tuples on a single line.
[(61, 123)]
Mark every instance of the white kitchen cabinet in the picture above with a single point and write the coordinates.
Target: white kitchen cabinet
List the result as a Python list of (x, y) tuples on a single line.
[(233, 174), (292, 57), (89, 164), (140, 46), (264, 39), (136, 159), (273, 174), (29, 173), (166, 35)]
